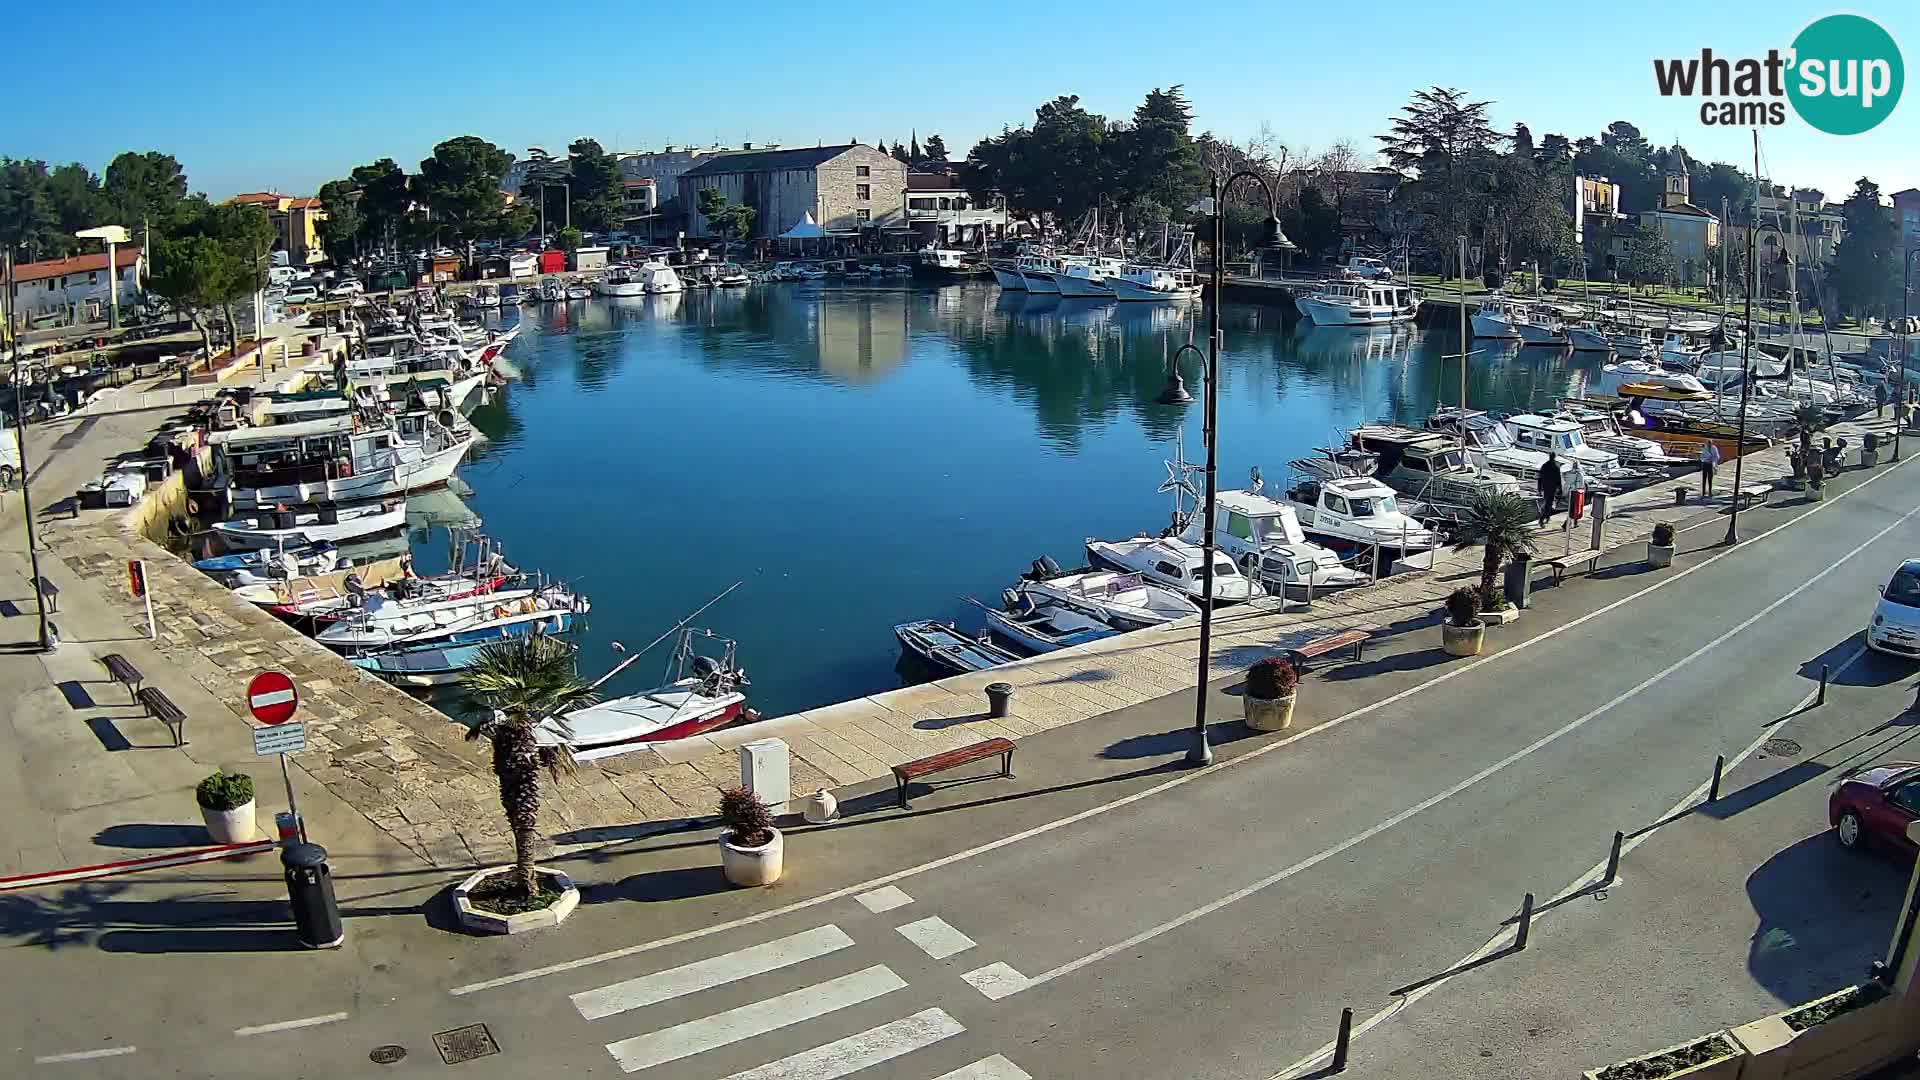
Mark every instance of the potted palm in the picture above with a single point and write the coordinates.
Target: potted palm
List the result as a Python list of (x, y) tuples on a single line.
[(751, 849), (522, 681), (1268, 701), (1660, 546), (1463, 634), (226, 805), (1503, 525), (1816, 480)]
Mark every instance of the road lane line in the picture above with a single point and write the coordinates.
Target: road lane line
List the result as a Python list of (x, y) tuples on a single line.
[(84, 1055), (289, 1025), (855, 1052), (747, 1021), (1123, 801), (714, 971), (936, 937), (1592, 877), (1436, 799), (987, 1068), (883, 900)]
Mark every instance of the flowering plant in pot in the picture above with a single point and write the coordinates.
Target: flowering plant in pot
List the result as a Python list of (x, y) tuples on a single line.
[(1660, 546), (1268, 701), (1464, 633), (226, 805), (751, 849)]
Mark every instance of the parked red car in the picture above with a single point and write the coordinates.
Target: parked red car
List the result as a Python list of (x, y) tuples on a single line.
[(1876, 804)]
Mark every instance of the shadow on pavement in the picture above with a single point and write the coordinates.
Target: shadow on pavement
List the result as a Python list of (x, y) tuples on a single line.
[(1416, 660), (77, 694), (1825, 914), (156, 942), (681, 884), (146, 835), (1861, 749), (1176, 741)]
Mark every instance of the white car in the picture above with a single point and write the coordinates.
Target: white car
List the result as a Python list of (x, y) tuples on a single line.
[(1895, 628), (347, 288), (302, 294)]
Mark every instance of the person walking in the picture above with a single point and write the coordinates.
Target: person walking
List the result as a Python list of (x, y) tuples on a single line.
[(1880, 397), (1709, 457), (1549, 485)]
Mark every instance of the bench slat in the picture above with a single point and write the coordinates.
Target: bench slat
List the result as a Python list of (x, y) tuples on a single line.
[(1320, 646), (934, 763)]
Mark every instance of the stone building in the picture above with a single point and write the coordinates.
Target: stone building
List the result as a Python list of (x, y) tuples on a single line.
[(1692, 232), (850, 190)]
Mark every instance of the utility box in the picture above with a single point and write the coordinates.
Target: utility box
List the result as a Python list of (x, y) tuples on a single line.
[(763, 771)]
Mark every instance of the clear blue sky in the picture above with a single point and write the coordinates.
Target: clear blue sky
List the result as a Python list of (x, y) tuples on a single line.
[(253, 96)]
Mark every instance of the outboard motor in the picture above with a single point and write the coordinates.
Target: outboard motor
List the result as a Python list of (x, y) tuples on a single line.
[(1010, 599), (706, 671)]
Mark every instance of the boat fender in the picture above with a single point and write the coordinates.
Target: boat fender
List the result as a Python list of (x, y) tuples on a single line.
[(500, 611), (193, 506)]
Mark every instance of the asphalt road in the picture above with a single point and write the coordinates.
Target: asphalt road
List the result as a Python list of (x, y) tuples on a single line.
[(1116, 914)]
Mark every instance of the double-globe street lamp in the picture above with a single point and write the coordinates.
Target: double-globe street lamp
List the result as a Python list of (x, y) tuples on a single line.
[(1201, 753)]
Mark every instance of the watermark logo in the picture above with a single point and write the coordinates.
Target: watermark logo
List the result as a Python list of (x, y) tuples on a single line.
[(1843, 75)]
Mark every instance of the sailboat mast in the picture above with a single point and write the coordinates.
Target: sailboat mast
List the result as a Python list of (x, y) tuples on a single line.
[(1464, 339)]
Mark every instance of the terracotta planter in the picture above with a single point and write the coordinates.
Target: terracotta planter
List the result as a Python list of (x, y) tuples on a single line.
[(1463, 640), (1268, 714), (1659, 556), (750, 867), (233, 826)]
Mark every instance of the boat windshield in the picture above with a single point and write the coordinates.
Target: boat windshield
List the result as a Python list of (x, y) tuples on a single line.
[(1568, 442), (1904, 589), (1369, 505), (1492, 436), (1449, 461)]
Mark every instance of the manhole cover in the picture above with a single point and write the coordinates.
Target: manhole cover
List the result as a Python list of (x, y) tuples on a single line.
[(1780, 748), (465, 1043), (387, 1055)]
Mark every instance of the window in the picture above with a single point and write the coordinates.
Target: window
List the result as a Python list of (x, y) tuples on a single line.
[(1167, 569), (862, 170), (863, 215), (1238, 525), (1906, 796), (1904, 589), (1336, 504), (863, 192)]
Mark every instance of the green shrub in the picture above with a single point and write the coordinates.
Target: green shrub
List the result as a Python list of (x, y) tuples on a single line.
[(1463, 607), (1271, 677), (224, 791), (748, 820), (1663, 534)]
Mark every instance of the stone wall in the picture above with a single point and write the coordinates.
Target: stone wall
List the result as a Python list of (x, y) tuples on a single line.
[(839, 183)]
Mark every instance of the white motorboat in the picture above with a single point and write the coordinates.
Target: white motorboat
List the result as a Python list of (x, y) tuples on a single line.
[(1038, 270), (1156, 284), (1502, 317), (1265, 537), (1489, 445), (621, 281), (381, 622), (661, 278), (1355, 514), (485, 296), (552, 290), (1429, 466), (1566, 439), (335, 460), (1589, 336), (1125, 601), (1042, 626), (280, 528), (1356, 302), (1601, 430), (271, 564), (1086, 279), (579, 290), (1176, 564), (1494, 319), (699, 693)]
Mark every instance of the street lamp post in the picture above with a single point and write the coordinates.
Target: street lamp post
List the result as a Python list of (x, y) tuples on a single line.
[(12, 336), (1906, 343), (1200, 752), (111, 235), (1746, 386)]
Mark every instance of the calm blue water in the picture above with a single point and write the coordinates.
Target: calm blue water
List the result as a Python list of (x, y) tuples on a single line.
[(860, 457)]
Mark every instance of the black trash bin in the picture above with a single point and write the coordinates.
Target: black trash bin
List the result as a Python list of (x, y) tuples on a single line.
[(1520, 582), (999, 699), (316, 917)]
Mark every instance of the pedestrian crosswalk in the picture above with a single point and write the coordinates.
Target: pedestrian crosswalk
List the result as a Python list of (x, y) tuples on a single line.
[(791, 965)]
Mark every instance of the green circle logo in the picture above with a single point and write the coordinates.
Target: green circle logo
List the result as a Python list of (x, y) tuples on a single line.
[(1846, 75)]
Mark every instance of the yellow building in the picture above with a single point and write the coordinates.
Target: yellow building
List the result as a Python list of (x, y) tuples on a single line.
[(1691, 231), (296, 224)]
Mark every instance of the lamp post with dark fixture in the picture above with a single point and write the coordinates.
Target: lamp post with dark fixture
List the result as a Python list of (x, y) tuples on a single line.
[(1201, 753), (1906, 343)]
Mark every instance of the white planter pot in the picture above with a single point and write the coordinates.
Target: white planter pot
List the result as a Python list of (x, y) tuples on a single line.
[(1816, 494), (1268, 714), (476, 918), (750, 867), (1869, 458), (820, 807), (233, 826), (1463, 640), (1659, 555)]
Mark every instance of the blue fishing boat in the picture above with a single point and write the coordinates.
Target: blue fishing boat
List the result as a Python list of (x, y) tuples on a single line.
[(943, 646)]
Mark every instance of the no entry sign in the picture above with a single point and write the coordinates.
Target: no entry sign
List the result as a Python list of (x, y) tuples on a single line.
[(272, 697)]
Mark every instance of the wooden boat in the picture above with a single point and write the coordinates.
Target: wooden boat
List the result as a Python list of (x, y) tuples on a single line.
[(1041, 627), (945, 647)]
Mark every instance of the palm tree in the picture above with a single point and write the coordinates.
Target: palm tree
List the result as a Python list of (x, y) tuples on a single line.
[(1504, 523), (524, 680)]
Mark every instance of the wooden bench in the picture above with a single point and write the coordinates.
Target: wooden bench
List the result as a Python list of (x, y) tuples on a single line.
[(953, 759), (161, 707), (1753, 493), (1300, 654), (122, 671), (1560, 564), (52, 594)]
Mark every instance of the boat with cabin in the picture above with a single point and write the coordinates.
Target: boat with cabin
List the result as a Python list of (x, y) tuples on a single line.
[(1359, 302), (1264, 536), (1354, 513), (337, 459), (621, 281), (384, 622), (1429, 466), (1502, 317), (1087, 278), (1126, 601), (1176, 564)]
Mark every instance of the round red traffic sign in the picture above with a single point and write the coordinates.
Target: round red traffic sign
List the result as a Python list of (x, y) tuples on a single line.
[(272, 697)]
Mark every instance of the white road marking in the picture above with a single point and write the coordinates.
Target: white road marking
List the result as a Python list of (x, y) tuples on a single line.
[(987, 1068), (1183, 779), (856, 1052), (936, 937), (714, 971), (84, 1055), (747, 1021), (1592, 877), (1436, 799), (289, 1025), (885, 899), (996, 981)]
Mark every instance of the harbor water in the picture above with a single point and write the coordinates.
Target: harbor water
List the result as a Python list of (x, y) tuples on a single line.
[(861, 456)]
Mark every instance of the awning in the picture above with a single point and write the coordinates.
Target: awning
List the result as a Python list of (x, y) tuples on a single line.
[(805, 229)]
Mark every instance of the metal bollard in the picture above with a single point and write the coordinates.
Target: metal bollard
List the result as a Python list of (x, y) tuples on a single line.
[(1613, 860), (1822, 698), (999, 700), (1343, 1042), (1719, 766), (1526, 923)]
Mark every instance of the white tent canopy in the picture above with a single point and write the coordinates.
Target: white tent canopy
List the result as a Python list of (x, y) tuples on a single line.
[(807, 229)]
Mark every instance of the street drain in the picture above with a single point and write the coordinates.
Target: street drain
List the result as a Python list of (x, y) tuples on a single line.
[(465, 1044), (387, 1055), (1780, 748)]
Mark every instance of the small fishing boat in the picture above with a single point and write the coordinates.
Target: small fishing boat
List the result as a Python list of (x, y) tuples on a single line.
[(424, 666), (1039, 626), (324, 597), (621, 281), (1589, 336), (1603, 431), (263, 562), (945, 647), (1350, 511), (1176, 564), (579, 290), (552, 290), (700, 693), (1124, 601), (1265, 537), (495, 614), (280, 528)]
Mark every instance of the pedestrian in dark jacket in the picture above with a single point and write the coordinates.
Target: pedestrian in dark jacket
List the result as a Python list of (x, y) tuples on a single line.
[(1549, 486)]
